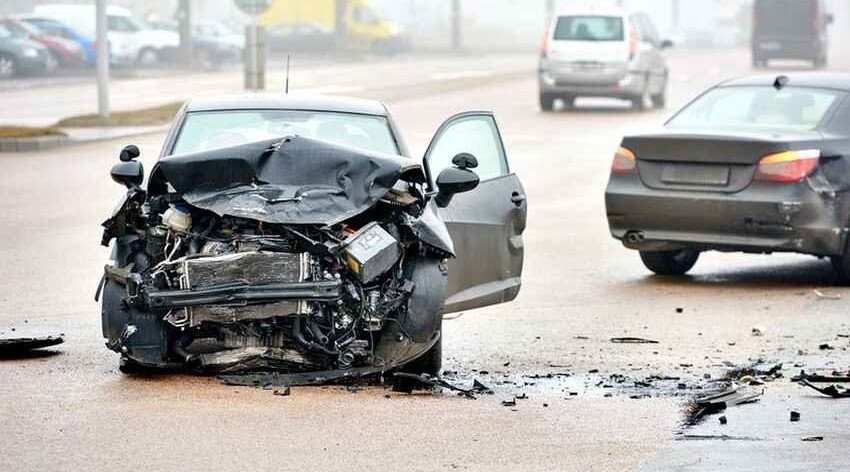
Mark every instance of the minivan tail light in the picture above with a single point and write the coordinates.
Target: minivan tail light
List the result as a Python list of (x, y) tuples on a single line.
[(788, 166), (633, 43), (624, 162)]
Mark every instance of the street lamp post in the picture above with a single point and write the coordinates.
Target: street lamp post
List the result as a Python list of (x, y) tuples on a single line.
[(103, 108)]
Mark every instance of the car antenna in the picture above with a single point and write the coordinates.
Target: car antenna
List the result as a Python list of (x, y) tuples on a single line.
[(780, 82), (286, 86)]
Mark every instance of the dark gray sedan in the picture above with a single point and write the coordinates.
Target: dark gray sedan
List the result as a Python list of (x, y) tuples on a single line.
[(757, 164)]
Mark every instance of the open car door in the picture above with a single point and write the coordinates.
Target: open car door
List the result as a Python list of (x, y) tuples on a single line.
[(486, 224)]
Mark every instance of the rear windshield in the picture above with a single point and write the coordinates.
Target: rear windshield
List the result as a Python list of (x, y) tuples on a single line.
[(791, 108), (785, 17), (589, 28)]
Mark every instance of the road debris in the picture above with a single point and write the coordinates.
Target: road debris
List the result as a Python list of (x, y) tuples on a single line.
[(834, 391), (795, 416), (14, 347), (723, 420), (425, 379), (821, 378), (827, 296), (632, 340), (812, 439), (711, 404), (480, 388), (826, 347), (509, 403), (757, 331), (284, 392)]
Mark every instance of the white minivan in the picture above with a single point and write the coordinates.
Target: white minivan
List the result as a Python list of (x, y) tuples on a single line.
[(131, 41), (603, 52)]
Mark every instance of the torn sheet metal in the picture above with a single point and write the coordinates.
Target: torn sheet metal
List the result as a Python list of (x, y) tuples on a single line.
[(293, 180), (834, 391)]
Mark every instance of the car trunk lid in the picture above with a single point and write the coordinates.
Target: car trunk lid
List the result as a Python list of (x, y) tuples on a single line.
[(695, 160)]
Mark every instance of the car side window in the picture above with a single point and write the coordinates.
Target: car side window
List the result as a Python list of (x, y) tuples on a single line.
[(477, 135)]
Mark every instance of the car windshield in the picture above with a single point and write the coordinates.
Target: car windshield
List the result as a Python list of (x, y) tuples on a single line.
[(589, 28), (764, 107), (204, 131)]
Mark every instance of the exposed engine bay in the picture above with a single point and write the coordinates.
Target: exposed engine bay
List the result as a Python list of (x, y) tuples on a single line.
[(195, 282)]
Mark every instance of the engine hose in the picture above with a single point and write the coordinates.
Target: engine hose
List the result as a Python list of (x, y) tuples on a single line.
[(180, 345), (298, 335)]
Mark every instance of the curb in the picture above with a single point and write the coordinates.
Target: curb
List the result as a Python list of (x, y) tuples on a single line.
[(39, 143)]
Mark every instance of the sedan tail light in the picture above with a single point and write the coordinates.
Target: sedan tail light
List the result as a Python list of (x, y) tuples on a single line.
[(624, 162), (789, 166)]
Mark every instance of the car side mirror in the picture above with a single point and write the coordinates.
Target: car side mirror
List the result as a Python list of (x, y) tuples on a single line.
[(458, 179), (128, 172), (666, 44), (129, 153)]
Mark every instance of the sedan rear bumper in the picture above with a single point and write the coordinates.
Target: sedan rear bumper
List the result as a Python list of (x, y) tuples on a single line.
[(761, 218)]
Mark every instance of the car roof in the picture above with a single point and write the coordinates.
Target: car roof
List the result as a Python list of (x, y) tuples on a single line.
[(593, 11), (279, 101), (826, 80)]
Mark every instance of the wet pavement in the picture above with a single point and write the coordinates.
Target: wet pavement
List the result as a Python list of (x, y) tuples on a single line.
[(565, 396)]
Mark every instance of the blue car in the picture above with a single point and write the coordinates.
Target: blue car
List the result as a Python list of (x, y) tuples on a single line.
[(57, 28)]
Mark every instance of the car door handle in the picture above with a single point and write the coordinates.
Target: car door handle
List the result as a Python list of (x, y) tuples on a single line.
[(518, 199)]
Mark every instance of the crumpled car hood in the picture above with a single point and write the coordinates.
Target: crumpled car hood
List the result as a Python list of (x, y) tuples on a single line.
[(293, 180)]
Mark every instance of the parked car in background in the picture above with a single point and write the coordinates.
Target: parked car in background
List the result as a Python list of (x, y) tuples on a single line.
[(603, 52), (220, 32), (210, 51), (61, 30), (131, 41), (757, 164), (63, 52), (300, 38), (21, 55), (790, 29)]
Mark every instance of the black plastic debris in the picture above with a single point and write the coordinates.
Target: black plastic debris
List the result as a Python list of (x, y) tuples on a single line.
[(509, 403), (480, 388), (834, 391), (825, 347), (795, 416), (821, 378), (723, 420), (425, 379), (632, 340), (812, 439), (12, 347)]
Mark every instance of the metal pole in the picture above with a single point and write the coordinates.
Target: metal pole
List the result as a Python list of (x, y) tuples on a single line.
[(676, 13), (102, 61), (456, 26), (184, 17)]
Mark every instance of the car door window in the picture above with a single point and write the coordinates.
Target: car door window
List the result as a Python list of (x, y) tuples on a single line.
[(474, 134)]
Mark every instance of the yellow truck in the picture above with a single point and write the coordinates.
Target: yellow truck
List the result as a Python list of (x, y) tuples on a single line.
[(354, 23)]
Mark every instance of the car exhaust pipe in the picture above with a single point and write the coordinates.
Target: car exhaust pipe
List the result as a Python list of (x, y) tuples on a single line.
[(635, 237)]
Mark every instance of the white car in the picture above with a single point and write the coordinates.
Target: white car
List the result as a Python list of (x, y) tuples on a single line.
[(131, 41), (603, 52)]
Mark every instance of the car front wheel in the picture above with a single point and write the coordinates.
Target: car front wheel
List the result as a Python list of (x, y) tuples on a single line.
[(547, 102), (670, 262)]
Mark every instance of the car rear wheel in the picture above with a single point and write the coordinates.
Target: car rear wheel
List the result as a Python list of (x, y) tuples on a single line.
[(147, 57), (670, 262), (8, 67), (547, 102), (643, 102), (660, 100)]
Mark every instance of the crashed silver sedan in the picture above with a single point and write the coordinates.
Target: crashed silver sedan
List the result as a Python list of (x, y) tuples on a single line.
[(297, 236)]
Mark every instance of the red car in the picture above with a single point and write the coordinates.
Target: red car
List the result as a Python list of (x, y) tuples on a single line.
[(63, 51)]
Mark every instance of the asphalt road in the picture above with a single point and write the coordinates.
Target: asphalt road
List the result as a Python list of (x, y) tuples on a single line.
[(73, 410)]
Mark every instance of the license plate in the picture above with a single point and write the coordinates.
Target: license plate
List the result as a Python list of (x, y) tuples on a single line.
[(695, 174)]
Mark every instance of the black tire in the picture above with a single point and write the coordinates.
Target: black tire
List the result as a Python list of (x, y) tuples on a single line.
[(128, 366), (8, 67), (670, 262), (660, 100), (841, 267), (429, 363), (643, 102), (547, 102)]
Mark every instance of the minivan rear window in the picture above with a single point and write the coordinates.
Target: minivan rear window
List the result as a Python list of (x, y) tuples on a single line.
[(589, 28), (759, 107), (785, 17)]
